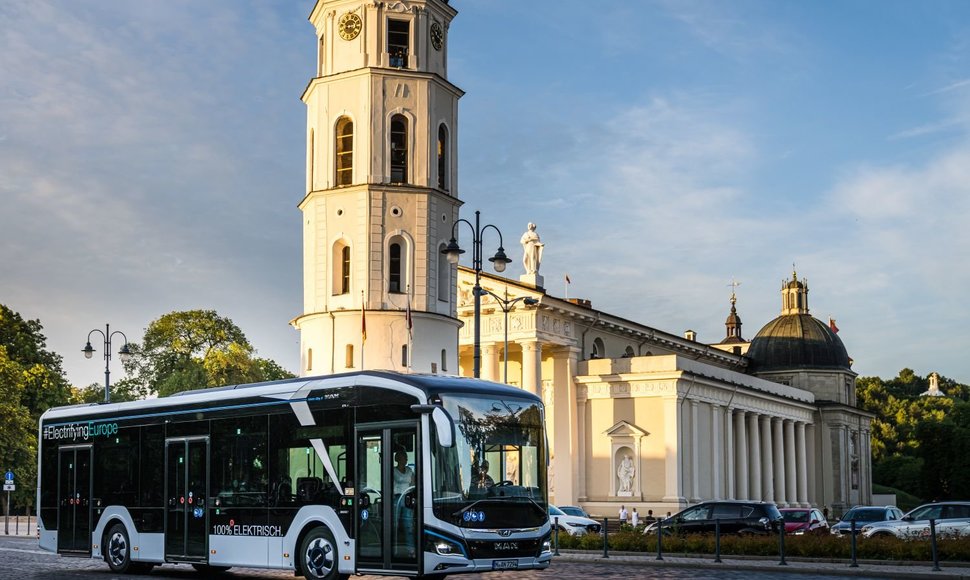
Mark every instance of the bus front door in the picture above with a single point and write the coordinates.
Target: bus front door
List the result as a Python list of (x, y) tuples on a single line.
[(186, 496), (74, 500), (387, 497)]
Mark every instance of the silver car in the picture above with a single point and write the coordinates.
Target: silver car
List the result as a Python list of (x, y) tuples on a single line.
[(952, 518)]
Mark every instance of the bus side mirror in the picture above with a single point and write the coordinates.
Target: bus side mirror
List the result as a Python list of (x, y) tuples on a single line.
[(444, 427)]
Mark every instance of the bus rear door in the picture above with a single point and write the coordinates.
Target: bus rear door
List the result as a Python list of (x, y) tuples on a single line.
[(186, 513)]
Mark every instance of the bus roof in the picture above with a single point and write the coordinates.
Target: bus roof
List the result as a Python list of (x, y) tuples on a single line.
[(422, 386)]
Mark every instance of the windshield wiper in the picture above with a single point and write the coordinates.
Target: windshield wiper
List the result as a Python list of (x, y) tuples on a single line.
[(534, 504)]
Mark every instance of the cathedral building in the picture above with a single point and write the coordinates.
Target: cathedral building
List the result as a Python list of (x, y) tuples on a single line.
[(636, 415)]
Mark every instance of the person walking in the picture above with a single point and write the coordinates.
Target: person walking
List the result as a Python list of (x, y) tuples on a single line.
[(635, 519), (623, 515)]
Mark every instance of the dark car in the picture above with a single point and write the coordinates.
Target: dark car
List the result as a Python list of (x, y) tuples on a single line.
[(734, 517), (799, 521), (865, 515)]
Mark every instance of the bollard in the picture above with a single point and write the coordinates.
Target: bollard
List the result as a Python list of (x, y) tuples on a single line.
[(936, 559), (17, 526), (606, 538), (660, 539), (781, 542), (854, 564), (717, 541), (556, 553)]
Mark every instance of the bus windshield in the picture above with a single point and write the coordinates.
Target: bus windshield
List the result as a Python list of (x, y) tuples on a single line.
[(495, 474)]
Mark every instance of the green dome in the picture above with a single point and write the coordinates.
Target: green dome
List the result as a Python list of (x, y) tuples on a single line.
[(797, 341)]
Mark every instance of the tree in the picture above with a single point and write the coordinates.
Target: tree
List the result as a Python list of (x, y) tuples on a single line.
[(193, 349)]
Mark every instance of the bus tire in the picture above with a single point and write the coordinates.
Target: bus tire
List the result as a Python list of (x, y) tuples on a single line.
[(117, 552), (318, 555)]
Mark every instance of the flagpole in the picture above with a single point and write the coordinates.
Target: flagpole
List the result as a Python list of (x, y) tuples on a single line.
[(407, 322), (566, 286), (363, 329)]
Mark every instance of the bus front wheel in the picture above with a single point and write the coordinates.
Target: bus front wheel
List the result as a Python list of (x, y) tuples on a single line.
[(318, 555), (117, 552)]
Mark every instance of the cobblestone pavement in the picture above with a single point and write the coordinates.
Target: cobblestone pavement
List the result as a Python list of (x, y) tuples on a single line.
[(21, 559)]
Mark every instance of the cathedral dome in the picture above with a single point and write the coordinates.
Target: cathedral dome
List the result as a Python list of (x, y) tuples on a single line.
[(797, 341)]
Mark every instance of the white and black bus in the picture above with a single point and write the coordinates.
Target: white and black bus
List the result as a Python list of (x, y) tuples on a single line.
[(372, 472)]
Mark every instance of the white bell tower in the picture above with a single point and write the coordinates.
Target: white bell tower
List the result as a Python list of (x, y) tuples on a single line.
[(381, 195)]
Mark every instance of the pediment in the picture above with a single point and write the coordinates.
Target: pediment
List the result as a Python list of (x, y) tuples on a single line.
[(624, 429)]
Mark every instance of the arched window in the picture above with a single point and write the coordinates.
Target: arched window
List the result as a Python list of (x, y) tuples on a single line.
[(399, 149), (397, 265), (341, 268), (345, 151), (444, 278), (599, 349), (442, 157)]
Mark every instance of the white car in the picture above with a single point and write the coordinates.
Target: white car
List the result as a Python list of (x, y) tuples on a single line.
[(572, 525), (952, 519)]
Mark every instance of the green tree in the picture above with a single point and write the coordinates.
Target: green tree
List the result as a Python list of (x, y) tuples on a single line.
[(18, 438), (193, 349)]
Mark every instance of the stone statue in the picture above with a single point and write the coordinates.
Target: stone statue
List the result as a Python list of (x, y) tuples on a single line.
[(626, 472), (531, 250)]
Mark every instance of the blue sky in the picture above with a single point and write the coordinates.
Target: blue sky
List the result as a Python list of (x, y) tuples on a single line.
[(151, 159)]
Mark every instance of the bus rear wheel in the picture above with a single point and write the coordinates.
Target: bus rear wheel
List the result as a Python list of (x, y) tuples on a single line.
[(117, 552), (318, 555)]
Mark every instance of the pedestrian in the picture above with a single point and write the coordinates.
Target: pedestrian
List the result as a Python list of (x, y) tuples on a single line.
[(623, 515), (635, 518), (650, 517)]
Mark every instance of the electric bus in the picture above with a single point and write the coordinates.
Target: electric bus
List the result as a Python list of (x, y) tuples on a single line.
[(371, 472)]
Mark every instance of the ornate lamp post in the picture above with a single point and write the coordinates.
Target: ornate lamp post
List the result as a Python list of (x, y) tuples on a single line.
[(507, 305), (499, 260), (123, 353)]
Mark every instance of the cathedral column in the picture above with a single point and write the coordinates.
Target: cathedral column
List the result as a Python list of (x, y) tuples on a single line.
[(565, 443), (767, 456), (717, 458), (673, 443), (532, 366), (791, 493), (729, 453), (490, 362), (814, 497), (778, 445), (581, 439), (695, 493), (741, 455), (754, 450), (800, 452)]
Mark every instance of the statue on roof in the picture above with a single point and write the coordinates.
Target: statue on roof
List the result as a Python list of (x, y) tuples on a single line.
[(531, 250)]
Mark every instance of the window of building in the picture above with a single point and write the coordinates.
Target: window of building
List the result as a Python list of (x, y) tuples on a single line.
[(398, 42), (442, 158), (444, 277), (399, 149), (396, 266), (599, 349), (345, 151), (404, 356), (444, 360), (349, 362), (309, 359), (341, 268)]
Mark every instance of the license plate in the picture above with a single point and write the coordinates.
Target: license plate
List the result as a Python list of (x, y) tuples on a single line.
[(505, 565)]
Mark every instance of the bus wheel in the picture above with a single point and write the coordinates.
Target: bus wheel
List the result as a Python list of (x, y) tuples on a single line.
[(117, 552), (319, 555)]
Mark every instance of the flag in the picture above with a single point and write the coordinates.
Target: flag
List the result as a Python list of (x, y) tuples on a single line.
[(363, 325), (832, 325), (568, 281), (407, 316)]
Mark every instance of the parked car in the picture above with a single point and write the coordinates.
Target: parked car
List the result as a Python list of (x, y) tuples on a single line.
[(864, 515), (574, 510), (572, 525), (799, 521), (952, 518), (735, 517)]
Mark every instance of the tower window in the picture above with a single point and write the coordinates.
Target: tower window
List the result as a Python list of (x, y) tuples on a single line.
[(345, 151), (444, 360), (442, 158), (309, 359), (349, 362), (399, 149), (398, 42), (341, 268), (444, 277), (404, 356), (396, 269)]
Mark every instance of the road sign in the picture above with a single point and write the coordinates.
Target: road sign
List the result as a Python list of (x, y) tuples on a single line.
[(9, 476), (9, 487)]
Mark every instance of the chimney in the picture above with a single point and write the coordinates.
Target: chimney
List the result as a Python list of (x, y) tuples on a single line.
[(690, 335)]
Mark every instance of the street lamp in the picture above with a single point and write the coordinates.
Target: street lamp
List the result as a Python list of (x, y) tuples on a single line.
[(124, 354), (506, 305), (499, 260)]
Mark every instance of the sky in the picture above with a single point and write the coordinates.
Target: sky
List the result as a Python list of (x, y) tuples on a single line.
[(152, 158)]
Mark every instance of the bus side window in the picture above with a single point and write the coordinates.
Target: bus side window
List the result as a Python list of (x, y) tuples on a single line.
[(238, 466)]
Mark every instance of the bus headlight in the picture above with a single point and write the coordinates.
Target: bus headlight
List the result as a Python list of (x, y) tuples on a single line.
[(546, 546), (444, 548)]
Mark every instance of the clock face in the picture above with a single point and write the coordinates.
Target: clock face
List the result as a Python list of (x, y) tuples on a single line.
[(437, 35), (349, 26)]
